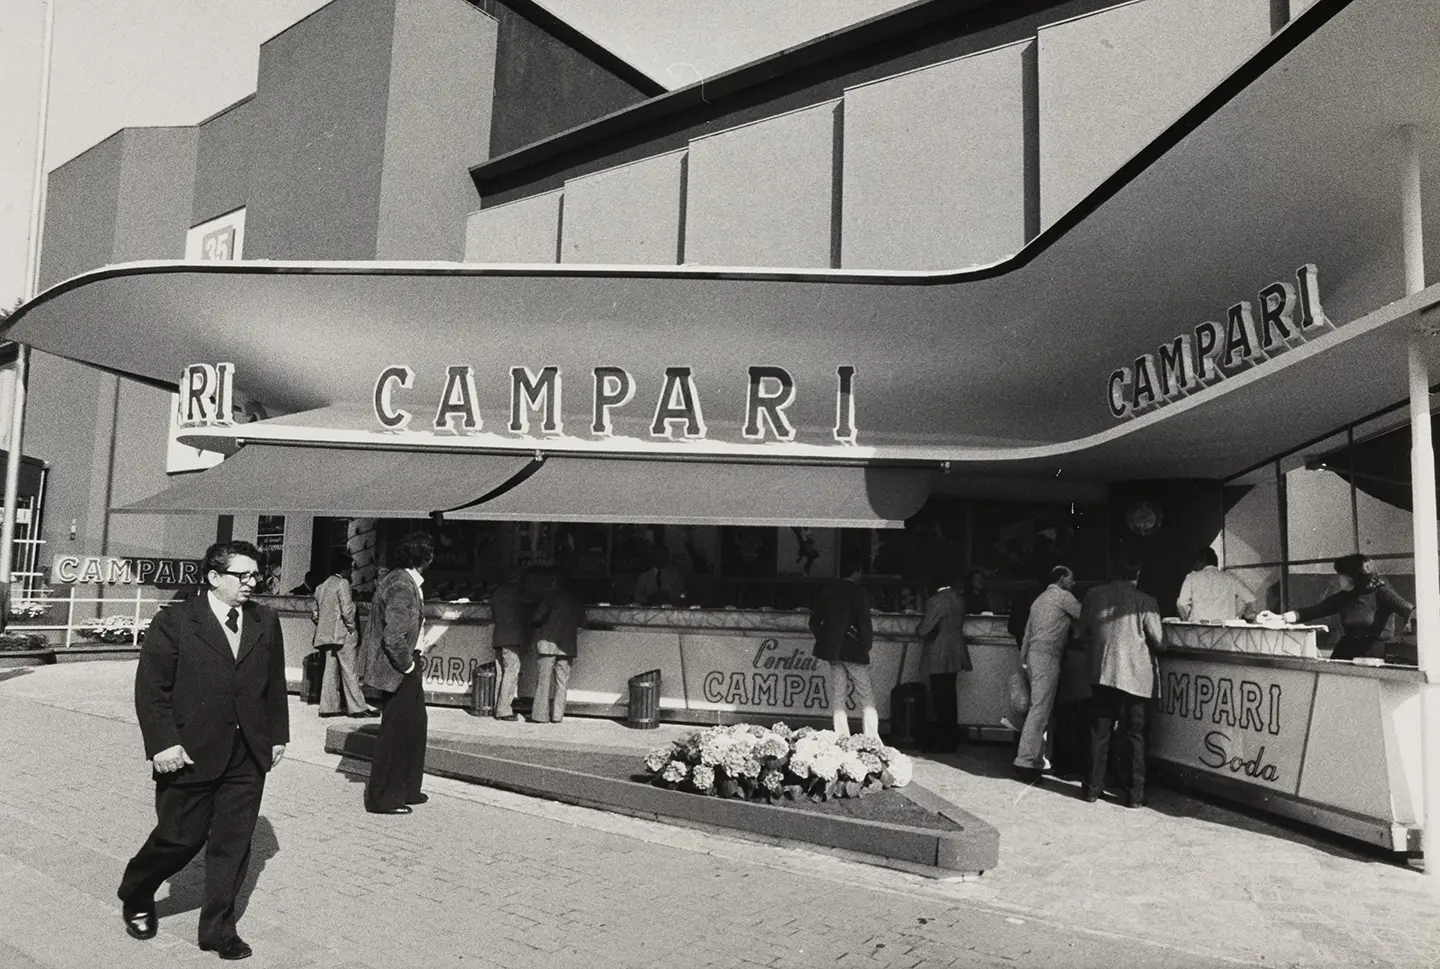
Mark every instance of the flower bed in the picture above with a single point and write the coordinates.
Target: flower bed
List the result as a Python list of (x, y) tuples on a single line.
[(777, 764), (114, 629)]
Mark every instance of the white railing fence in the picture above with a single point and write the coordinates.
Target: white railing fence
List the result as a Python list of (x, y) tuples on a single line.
[(122, 619)]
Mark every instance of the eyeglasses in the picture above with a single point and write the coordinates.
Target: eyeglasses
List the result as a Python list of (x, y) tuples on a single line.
[(244, 577)]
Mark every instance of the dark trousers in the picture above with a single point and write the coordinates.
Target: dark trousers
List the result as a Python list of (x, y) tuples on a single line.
[(218, 815), (398, 766), (1107, 707), (1352, 645), (945, 731)]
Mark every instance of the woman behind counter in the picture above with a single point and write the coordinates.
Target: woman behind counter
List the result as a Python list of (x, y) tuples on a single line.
[(1364, 604)]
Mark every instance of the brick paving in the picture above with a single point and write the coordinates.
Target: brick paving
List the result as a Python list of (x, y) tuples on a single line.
[(484, 878)]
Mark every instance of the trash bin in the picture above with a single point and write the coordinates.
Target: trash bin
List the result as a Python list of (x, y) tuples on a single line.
[(907, 714), (484, 680), (312, 671), (644, 710)]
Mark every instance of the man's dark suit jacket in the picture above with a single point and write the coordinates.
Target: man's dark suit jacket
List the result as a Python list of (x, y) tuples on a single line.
[(557, 621), (842, 606), (191, 690)]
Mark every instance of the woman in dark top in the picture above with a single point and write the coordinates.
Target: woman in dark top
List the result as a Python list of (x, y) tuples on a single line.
[(1364, 604)]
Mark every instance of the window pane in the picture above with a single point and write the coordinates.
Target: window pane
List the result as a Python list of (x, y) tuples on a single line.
[(1252, 520)]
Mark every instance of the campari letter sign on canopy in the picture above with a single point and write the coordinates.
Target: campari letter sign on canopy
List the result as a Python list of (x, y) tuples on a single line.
[(1288, 316)]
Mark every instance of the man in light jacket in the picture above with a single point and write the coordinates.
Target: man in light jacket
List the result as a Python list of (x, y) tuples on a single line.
[(1124, 628), (337, 636), (1047, 630)]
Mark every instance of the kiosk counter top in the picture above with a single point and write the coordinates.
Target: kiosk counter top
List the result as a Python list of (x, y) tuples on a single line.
[(716, 665)]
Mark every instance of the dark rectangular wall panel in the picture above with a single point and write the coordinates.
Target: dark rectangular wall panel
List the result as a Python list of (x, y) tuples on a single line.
[(544, 86), (319, 136)]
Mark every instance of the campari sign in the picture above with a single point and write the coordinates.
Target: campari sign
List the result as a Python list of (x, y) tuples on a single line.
[(1244, 723), (1283, 316)]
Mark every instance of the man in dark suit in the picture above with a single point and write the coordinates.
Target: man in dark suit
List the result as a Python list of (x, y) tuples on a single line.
[(557, 624), (840, 622), (390, 654), (210, 697)]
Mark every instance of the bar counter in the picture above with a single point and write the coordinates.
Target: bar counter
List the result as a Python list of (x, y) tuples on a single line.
[(1254, 715), (716, 665)]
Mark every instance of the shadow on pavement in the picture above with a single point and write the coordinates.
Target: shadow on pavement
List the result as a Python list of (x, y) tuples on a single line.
[(187, 888), (12, 674)]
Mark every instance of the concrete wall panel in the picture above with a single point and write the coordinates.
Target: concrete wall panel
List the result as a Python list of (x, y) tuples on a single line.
[(936, 164), (222, 162), (319, 136), (764, 194), (157, 178), (1111, 81), (524, 231), (442, 88), (628, 215), (82, 197)]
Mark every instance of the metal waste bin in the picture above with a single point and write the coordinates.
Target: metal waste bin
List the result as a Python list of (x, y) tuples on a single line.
[(907, 714), (312, 671), (644, 709), (484, 681)]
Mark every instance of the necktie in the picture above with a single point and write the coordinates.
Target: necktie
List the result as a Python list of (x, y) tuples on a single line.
[(232, 620)]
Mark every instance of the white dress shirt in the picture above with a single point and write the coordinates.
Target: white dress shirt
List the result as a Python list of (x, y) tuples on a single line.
[(1212, 595), (222, 613), (420, 588)]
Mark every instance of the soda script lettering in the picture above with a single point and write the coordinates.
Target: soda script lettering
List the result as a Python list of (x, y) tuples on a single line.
[(1217, 756)]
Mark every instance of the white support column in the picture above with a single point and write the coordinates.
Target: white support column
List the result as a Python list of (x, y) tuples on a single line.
[(1422, 485)]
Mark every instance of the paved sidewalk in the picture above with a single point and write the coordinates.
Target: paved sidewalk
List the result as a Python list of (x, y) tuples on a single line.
[(479, 877)]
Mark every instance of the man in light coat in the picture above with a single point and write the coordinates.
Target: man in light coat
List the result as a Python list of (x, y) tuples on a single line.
[(1047, 630), (1125, 634), (337, 636), (1210, 594)]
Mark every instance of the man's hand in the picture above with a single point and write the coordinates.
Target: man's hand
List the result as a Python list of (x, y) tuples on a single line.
[(277, 754), (171, 759)]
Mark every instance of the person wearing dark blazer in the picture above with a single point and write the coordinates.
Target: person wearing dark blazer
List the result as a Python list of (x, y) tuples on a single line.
[(210, 698), (391, 652), (840, 623), (943, 656), (557, 625)]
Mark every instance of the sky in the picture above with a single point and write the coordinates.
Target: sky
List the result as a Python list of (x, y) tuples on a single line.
[(124, 63)]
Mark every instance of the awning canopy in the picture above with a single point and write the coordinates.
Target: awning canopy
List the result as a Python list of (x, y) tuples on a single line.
[(266, 478), (1290, 161)]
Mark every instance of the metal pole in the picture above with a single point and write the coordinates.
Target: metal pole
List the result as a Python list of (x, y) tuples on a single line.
[(1422, 484), (22, 361)]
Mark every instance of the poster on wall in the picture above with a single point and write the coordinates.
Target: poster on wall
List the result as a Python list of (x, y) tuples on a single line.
[(808, 552), (270, 540)]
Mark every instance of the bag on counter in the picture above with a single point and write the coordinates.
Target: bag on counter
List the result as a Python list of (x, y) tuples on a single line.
[(1020, 693)]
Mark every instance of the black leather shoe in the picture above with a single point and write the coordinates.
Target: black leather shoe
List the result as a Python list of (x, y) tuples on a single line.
[(419, 799), (141, 925), (1135, 800), (366, 714), (402, 809), (232, 948), (1090, 796)]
